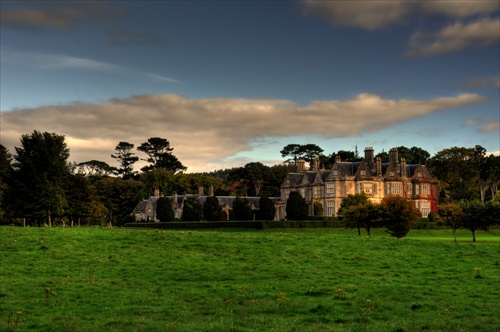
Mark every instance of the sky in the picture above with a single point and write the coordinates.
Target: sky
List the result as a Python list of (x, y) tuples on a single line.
[(228, 83)]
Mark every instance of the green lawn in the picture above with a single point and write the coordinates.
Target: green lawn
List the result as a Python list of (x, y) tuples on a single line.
[(85, 279)]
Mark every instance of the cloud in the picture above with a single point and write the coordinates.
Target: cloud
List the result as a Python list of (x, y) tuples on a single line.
[(455, 37), (67, 16), (209, 133), (480, 82), (44, 61), (370, 15), (373, 15), (485, 125)]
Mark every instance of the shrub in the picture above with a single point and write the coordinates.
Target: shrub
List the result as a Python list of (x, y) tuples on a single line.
[(241, 209), (192, 211), (267, 209), (318, 209), (212, 210), (164, 210), (432, 216), (296, 207)]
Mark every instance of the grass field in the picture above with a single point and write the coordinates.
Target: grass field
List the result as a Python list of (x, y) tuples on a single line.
[(85, 279)]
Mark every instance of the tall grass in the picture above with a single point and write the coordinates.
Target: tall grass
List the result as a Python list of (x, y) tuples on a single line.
[(82, 279)]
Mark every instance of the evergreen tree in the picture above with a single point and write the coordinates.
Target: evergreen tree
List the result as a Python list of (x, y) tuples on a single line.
[(212, 210), (164, 210), (296, 207), (267, 209), (241, 209), (192, 210), (126, 158)]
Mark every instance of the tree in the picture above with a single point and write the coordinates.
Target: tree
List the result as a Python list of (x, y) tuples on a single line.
[(126, 158), (318, 209), (364, 215), (212, 210), (120, 197), (241, 209), (39, 176), (293, 151), (267, 208), (460, 168), (398, 215), (352, 200), (95, 168), (451, 215), (164, 210), (476, 216), (5, 173), (296, 207), (192, 210), (306, 151), (413, 155), (160, 155)]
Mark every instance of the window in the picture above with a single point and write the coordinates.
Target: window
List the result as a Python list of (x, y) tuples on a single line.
[(419, 174), (396, 188), (391, 173), (387, 188), (362, 172), (330, 208), (425, 189), (360, 187), (417, 189), (335, 172), (330, 188), (317, 191), (410, 189), (425, 208)]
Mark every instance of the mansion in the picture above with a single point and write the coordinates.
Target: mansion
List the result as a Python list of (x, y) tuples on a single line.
[(376, 179), (329, 187)]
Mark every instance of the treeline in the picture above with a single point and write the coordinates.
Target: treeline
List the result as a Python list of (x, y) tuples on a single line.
[(38, 185)]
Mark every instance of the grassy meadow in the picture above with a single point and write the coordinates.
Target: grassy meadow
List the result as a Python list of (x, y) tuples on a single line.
[(86, 279)]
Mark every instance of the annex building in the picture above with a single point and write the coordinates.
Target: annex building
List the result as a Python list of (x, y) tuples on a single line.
[(376, 179)]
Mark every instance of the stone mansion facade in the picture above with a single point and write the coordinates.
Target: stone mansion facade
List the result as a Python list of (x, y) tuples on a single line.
[(376, 179)]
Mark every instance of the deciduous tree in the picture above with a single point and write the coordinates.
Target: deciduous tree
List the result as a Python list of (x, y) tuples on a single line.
[(398, 215), (451, 215)]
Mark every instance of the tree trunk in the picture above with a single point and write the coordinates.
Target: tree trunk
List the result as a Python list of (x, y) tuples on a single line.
[(50, 220), (359, 231), (368, 231), (24, 222), (474, 236)]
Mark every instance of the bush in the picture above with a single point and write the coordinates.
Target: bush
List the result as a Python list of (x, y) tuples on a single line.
[(432, 216), (164, 210), (241, 209), (212, 210), (296, 207), (192, 211), (267, 209), (318, 209)]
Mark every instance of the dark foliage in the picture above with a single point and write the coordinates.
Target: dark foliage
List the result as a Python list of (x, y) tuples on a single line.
[(192, 211), (296, 207), (267, 209), (241, 209), (212, 210), (164, 210)]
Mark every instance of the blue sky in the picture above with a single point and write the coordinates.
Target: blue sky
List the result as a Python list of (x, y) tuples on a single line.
[(228, 83)]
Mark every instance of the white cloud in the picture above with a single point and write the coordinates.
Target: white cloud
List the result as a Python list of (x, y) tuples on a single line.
[(209, 133), (372, 15), (44, 61), (455, 37)]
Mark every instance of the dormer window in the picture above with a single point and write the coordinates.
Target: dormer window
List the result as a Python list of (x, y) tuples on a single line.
[(419, 174), (335, 172), (391, 173), (362, 173)]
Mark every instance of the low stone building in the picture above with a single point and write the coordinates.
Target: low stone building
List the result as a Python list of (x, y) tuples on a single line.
[(146, 212), (376, 179)]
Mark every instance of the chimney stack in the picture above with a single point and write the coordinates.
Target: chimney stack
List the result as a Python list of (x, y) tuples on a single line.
[(369, 155), (393, 156)]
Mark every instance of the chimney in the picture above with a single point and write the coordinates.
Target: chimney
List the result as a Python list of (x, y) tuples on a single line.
[(156, 192), (200, 190), (211, 190), (393, 156), (369, 153), (301, 166), (403, 167), (316, 164), (379, 166), (337, 159), (175, 199)]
